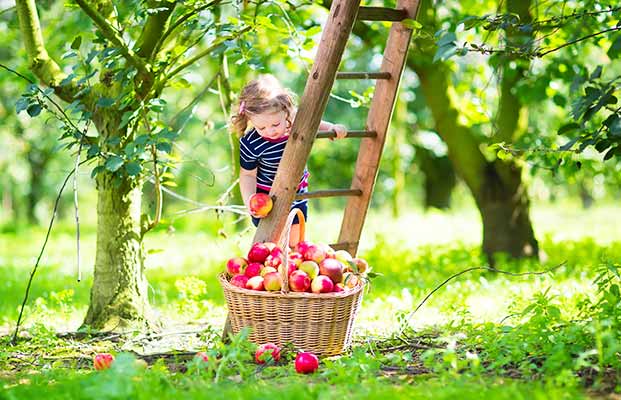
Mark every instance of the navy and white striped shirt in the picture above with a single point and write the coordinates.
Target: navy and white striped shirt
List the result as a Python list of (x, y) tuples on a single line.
[(264, 154)]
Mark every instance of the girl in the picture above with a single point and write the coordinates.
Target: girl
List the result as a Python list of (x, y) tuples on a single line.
[(269, 108)]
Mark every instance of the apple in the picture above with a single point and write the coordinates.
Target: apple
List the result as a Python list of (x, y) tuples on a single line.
[(258, 253), (332, 268), (272, 281), (343, 256), (239, 280), (267, 270), (302, 246), (260, 205), (267, 351), (296, 258), (330, 253), (253, 269), (361, 264), (299, 281), (292, 267), (310, 267), (350, 280), (201, 355), (102, 361), (236, 265), (306, 363), (255, 283), (275, 258), (314, 253), (339, 287), (322, 284)]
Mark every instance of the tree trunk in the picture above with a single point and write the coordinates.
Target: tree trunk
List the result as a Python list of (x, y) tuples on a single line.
[(440, 179), (119, 292)]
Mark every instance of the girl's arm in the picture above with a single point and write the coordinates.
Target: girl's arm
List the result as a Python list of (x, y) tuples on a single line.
[(247, 184), (340, 130)]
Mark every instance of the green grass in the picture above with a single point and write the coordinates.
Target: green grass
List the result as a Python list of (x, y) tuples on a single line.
[(485, 328)]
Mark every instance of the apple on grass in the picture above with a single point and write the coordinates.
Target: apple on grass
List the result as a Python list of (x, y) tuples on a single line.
[(310, 267), (260, 205), (322, 284), (299, 281), (306, 363), (332, 268), (267, 352), (255, 283), (201, 355), (236, 265), (102, 361)]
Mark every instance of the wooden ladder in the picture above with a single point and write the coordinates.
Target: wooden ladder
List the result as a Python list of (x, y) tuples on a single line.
[(343, 14)]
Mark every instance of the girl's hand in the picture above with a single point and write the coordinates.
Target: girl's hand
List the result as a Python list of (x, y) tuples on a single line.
[(340, 130)]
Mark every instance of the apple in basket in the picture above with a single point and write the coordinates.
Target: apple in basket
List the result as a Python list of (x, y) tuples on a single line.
[(338, 287), (239, 280), (361, 264), (322, 284), (302, 246), (275, 258), (350, 280), (267, 351), (332, 268), (306, 363), (236, 265), (253, 269), (296, 258), (267, 270), (255, 283), (258, 253), (310, 267), (315, 253), (272, 281), (299, 281), (343, 256), (260, 205)]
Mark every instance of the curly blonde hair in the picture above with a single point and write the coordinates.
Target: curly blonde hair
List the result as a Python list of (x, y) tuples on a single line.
[(260, 96)]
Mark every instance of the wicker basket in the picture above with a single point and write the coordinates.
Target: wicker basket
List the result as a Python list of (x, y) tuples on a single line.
[(320, 323)]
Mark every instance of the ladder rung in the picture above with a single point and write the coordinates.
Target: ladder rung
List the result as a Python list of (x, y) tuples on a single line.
[(381, 14), (343, 245), (350, 134), (329, 193), (363, 75)]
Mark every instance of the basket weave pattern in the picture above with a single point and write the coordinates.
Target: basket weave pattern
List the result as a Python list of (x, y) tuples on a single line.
[(319, 323)]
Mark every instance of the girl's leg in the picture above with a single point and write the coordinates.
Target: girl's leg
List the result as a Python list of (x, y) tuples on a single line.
[(294, 235)]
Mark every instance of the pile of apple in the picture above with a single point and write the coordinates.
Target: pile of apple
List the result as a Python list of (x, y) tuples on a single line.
[(312, 267)]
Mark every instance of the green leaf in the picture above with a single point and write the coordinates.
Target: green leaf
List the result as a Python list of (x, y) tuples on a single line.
[(75, 45), (572, 126), (569, 144), (92, 151), (615, 48), (133, 168), (445, 52), (597, 73), (411, 24), (164, 146), (448, 38), (22, 104), (34, 109), (610, 153), (114, 163), (105, 102), (96, 170)]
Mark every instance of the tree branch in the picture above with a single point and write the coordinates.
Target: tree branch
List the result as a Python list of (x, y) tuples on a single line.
[(108, 31), (42, 65), (543, 53), (153, 31)]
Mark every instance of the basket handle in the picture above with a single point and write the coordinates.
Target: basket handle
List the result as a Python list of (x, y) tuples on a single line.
[(283, 242)]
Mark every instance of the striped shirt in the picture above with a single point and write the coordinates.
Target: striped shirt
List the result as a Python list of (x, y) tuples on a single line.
[(264, 154)]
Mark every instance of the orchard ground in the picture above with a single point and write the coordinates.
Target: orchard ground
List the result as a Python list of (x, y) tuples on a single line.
[(481, 335)]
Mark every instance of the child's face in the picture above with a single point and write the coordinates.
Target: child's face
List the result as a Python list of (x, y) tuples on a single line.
[(271, 125)]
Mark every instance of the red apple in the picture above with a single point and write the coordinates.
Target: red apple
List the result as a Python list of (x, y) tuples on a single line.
[(258, 253), (314, 253), (306, 363), (292, 267), (253, 269), (236, 265), (201, 355), (322, 284), (270, 245), (339, 287), (302, 246), (361, 264), (260, 205), (102, 361), (332, 268), (330, 253), (275, 258), (296, 258), (350, 280), (239, 280), (310, 267), (267, 351), (255, 283), (299, 281), (272, 281)]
